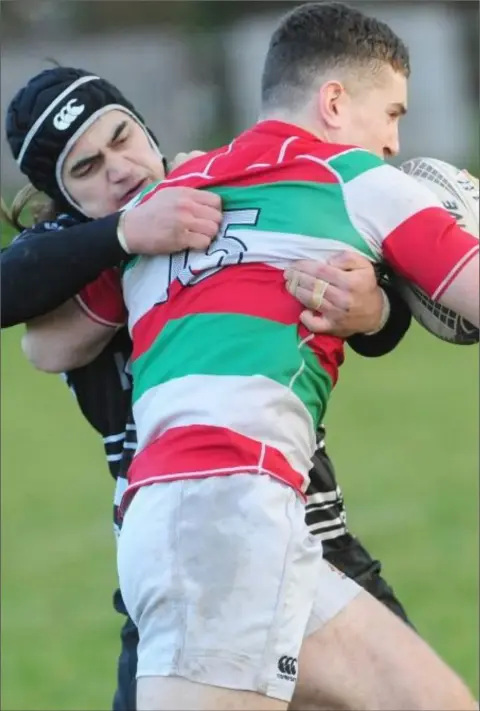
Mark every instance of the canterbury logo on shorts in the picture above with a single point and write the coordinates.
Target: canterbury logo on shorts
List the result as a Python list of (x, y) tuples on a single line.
[(67, 115), (287, 667)]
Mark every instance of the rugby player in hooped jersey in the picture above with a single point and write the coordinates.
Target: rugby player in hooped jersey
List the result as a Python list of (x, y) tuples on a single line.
[(63, 252), (226, 622)]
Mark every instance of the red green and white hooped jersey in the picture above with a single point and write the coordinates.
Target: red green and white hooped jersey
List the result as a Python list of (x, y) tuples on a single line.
[(225, 378)]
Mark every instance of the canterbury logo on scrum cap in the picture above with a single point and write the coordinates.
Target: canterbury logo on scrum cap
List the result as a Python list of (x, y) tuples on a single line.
[(64, 120), (67, 115)]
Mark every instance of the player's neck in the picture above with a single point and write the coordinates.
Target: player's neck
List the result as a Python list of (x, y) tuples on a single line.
[(297, 119)]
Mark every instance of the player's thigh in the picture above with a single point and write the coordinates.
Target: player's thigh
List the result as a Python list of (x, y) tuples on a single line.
[(182, 695), (349, 556), (219, 576), (366, 658)]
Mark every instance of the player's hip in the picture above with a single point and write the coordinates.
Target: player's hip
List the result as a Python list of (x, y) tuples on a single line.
[(197, 451), (224, 581)]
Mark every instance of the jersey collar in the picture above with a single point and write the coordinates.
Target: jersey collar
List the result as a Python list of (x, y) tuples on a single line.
[(282, 129)]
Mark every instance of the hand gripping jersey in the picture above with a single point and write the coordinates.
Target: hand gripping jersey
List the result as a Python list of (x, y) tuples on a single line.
[(225, 378)]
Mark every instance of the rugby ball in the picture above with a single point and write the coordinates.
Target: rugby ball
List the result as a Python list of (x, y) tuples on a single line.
[(459, 194)]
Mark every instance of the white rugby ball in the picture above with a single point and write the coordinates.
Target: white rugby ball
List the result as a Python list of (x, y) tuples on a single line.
[(459, 194)]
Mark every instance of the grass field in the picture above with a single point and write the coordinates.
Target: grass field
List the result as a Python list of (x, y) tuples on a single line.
[(404, 436)]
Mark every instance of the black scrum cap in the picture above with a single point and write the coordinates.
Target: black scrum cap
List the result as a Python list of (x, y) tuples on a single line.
[(46, 117)]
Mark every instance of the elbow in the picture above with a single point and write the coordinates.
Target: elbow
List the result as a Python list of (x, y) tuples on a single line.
[(46, 356)]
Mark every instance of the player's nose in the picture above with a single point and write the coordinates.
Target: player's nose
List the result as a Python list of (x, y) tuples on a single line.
[(118, 168), (392, 147)]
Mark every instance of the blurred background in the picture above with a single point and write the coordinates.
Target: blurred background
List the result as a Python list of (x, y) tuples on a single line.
[(403, 430)]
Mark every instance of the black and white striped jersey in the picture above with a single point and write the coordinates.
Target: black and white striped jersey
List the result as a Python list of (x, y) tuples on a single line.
[(325, 508), (103, 392)]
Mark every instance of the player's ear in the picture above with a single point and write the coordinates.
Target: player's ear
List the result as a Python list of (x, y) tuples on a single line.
[(332, 100)]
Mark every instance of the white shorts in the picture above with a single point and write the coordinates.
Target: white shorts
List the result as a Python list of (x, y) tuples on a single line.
[(224, 581)]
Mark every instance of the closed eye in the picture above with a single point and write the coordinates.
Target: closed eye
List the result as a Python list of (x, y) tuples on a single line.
[(120, 140), (85, 167), (396, 111)]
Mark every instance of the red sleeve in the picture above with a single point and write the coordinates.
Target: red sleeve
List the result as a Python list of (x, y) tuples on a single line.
[(430, 249), (102, 299)]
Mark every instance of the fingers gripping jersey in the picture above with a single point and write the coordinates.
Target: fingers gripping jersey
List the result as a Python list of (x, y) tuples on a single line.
[(225, 379)]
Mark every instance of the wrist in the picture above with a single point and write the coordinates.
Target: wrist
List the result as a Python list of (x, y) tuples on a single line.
[(121, 236), (384, 316)]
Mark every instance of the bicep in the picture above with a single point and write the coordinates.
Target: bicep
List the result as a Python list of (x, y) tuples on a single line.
[(434, 253), (419, 239)]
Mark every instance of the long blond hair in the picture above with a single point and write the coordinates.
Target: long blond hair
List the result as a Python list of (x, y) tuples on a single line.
[(40, 208)]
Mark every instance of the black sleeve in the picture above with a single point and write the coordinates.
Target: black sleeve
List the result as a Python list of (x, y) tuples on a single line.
[(391, 334), (49, 264)]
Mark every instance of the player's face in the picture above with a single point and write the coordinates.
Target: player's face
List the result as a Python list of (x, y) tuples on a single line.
[(109, 164), (371, 116)]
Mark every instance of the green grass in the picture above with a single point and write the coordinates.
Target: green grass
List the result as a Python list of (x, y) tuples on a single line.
[(403, 432)]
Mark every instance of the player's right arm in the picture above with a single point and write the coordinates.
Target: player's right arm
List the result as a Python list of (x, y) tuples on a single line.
[(48, 264), (70, 337), (409, 228)]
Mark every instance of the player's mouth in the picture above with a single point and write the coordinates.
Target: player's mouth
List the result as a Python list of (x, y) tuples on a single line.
[(130, 194)]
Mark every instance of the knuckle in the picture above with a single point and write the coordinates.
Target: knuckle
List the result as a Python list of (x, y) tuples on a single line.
[(209, 228), (184, 205), (214, 228), (208, 213), (183, 217), (215, 200)]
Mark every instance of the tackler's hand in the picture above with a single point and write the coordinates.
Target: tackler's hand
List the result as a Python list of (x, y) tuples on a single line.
[(341, 297), (170, 220)]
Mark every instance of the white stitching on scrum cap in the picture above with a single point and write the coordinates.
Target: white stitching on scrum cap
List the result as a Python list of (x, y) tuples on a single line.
[(45, 114)]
